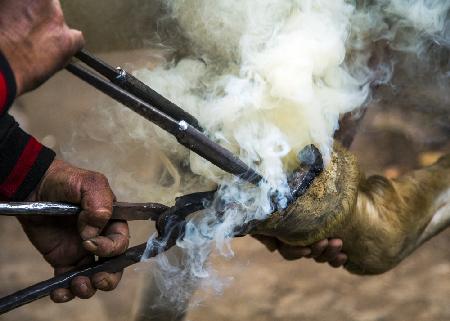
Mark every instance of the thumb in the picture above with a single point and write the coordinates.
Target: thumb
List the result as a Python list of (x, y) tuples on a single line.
[(66, 183), (97, 204)]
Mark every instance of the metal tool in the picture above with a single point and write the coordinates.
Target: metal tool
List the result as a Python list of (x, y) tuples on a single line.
[(140, 98), (121, 211), (129, 83), (170, 221)]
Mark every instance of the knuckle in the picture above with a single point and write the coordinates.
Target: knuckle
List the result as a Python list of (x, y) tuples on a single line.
[(106, 281), (97, 188), (58, 15), (102, 284), (101, 179), (96, 180), (108, 284)]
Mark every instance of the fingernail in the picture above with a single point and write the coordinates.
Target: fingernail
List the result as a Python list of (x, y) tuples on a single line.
[(90, 245), (89, 232)]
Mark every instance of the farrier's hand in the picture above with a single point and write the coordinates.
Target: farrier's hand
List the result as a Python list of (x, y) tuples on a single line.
[(36, 40), (325, 251), (69, 243)]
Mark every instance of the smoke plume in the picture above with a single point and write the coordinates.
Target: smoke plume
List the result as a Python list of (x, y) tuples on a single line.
[(265, 78)]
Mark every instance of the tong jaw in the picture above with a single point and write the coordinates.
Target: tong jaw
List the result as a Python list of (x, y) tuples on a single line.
[(171, 224)]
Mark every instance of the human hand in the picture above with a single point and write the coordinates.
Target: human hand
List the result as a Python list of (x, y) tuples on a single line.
[(327, 250), (70, 243), (36, 40)]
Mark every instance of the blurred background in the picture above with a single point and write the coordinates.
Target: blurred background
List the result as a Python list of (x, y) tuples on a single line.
[(396, 136)]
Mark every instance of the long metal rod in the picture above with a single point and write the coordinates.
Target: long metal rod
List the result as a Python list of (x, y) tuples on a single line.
[(121, 211), (44, 288), (186, 134), (41, 208), (133, 85)]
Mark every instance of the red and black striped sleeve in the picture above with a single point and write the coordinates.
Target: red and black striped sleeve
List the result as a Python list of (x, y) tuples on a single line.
[(23, 160)]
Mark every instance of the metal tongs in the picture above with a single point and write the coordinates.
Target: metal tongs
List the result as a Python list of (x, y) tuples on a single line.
[(134, 94), (170, 221)]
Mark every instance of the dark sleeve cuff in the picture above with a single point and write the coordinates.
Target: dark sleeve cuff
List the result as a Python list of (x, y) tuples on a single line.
[(7, 85), (23, 161)]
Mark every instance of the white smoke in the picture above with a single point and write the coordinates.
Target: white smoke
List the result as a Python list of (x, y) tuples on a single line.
[(265, 78)]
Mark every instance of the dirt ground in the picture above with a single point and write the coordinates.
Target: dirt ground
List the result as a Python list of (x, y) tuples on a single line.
[(264, 286)]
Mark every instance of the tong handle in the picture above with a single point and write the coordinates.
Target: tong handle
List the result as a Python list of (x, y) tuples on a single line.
[(128, 82), (45, 288), (121, 211), (38, 208)]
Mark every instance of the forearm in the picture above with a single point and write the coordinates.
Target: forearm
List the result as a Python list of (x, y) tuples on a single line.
[(23, 160)]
